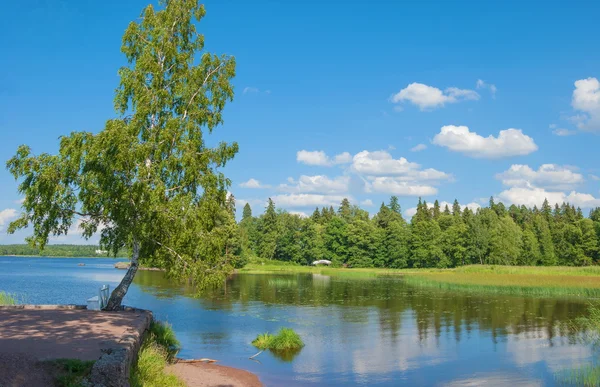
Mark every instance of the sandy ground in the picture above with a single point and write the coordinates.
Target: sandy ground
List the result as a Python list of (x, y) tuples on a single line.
[(212, 375), (28, 336)]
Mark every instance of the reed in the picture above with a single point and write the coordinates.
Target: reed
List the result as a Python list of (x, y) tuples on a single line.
[(7, 299)]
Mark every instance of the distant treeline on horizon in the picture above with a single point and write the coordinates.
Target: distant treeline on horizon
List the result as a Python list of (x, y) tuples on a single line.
[(58, 251)]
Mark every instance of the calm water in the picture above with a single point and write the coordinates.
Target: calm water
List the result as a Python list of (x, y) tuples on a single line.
[(357, 331)]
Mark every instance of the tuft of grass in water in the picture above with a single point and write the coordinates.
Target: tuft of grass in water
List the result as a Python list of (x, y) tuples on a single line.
[(286, 340), (158, 350), (7, 299), (263, 341), (587, 375), (71, 372)]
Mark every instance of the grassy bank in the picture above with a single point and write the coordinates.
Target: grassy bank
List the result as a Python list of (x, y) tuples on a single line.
[(518, 280), (158, 349)]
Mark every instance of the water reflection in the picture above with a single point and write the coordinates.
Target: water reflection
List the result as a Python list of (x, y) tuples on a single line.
[(378, 330)]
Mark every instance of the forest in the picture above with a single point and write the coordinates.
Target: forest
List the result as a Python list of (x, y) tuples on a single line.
[(435, 237)]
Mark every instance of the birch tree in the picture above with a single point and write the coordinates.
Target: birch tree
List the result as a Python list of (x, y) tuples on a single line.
[(147, 181)]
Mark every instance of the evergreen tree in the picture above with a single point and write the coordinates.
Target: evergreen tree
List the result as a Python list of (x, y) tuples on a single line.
[(345, 210), (456, 208), (246, 213), (268, 230), (394, 205)]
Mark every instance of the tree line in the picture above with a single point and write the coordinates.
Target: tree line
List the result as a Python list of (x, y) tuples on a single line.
[(434, 237), (59, 250)]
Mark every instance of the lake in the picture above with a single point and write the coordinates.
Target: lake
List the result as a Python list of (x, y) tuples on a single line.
[(374, 331)]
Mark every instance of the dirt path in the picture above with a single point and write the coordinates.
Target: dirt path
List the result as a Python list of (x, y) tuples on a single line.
[(211, 375)]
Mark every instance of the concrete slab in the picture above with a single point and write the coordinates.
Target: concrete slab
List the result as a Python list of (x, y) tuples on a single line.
[(63, 333)]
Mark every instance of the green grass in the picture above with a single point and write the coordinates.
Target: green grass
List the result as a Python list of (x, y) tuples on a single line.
[(158, 350), (510, 284), (285, 340), (263, 341), (71, 372), (164, 336), (7, 299), (517, 280)]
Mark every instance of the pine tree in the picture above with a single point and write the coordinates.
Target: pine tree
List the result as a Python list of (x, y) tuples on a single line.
[(456, 208), (394, 205), (345, 210), (268, 229), (247, 212)]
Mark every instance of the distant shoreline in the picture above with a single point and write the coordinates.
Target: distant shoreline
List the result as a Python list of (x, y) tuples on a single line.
[(54, 256)]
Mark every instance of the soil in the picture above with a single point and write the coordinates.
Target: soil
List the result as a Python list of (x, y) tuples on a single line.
[(212, 375)]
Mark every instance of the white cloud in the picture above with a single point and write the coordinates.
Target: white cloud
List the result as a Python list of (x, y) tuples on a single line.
[(253, 183), (391, 185), (381, 163), (320, 158), (510, 142), (367, 203), (594, 177), (317, 184), (481, 84), (418, 148), (6, 216), (299, 213), (429, 97), (306, 200), (535, 197), (252, 202), (586, 99), (472, 206), (561, 131), (549, 176), (564, 132)]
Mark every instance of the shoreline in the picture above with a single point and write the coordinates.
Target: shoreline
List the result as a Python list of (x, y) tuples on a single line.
[(199, 374), (58, 256)]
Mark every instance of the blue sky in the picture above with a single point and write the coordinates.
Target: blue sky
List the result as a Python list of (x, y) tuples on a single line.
[(342, 99)]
